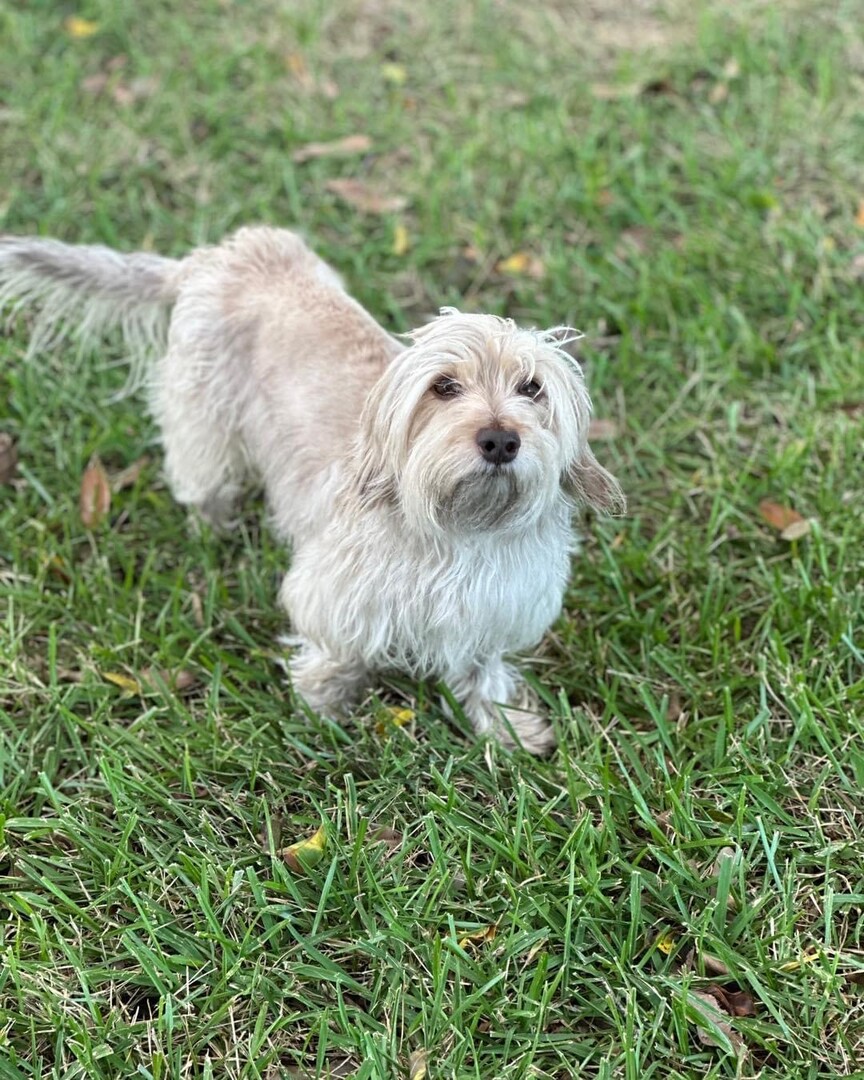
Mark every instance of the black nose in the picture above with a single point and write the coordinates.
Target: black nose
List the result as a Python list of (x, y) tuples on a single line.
[(498, 446)]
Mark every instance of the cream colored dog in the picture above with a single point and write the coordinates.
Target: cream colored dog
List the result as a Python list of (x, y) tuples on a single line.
[(427, 491)]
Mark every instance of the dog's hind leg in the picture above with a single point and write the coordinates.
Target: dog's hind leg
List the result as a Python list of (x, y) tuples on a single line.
[(205, 463), (205, 471)]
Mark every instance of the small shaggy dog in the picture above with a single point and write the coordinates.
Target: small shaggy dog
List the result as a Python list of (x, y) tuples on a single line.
[(427, 491)]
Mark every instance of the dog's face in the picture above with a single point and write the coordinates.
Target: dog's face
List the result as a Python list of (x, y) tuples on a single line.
[(479, 425)]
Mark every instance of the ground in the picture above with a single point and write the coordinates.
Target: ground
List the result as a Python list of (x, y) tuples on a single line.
[(684, 184)]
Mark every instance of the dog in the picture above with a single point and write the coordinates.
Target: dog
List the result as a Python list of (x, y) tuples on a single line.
[(427, 488)]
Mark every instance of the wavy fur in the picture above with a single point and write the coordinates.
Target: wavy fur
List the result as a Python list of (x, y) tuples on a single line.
[(411, 550)]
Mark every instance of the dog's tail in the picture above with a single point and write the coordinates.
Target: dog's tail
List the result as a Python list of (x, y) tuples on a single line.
[(83, 291)]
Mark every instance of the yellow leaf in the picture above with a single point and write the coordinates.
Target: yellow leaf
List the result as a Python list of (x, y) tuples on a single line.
[(417, 1065), (806, 958), (401, 242), (307, 853), (394, 73), (125, 682), (488, 933), (665, 942), (514, 264), (520, 262), (77, 27), (859, 217), (392, 717)]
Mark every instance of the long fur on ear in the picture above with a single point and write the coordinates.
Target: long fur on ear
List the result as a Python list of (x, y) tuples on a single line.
[(589, 484), (376, 480)]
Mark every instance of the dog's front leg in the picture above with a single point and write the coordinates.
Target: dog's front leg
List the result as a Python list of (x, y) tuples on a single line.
[(498, 703), (327, 684)]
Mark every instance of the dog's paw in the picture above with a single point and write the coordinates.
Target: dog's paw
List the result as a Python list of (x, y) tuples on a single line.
[(526, 729), (328, 686)]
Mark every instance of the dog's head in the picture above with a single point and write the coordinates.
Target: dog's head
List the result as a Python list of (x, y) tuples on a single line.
[(478, 424)]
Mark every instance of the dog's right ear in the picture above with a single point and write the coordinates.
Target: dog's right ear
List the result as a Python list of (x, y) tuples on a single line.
[(589, 484)]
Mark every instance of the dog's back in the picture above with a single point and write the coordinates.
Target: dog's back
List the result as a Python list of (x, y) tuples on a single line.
[(257, 359), (268, 366)]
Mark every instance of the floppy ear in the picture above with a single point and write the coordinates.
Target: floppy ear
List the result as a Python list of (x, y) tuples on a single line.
[(376, 479), (589, 484)]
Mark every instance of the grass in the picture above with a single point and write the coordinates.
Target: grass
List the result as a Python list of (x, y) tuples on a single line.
[(686, 183)]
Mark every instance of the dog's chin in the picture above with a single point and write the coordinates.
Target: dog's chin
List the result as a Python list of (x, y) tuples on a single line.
[(485, 499)]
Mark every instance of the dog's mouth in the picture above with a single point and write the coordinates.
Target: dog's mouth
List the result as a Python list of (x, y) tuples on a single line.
[(483, 500)]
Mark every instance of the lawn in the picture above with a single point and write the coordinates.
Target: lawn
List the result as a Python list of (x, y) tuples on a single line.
[(682, 182)]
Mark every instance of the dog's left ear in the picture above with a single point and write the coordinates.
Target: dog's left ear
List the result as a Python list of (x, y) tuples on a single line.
[(589, 484)]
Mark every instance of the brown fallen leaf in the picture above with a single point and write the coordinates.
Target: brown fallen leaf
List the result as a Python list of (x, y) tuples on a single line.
[(859, 217), (384, 835), (8, 457), (95, 84), (94, 501), (634, 240), (711, 965), (615, 91), (658, 87), (777, 516), (733, 1001), (137, 90), (359, 195), (602, 429), (296, 64), (197, 605), (57, 568), (708, 1007), (350, 144), (719, 93), (127, 477)]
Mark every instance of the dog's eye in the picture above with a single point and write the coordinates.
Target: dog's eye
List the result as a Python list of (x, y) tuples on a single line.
[(445, 387), (531, 388)]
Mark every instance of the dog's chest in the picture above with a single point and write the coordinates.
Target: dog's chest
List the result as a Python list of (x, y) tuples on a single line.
[(429, 609), (439, 610)]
